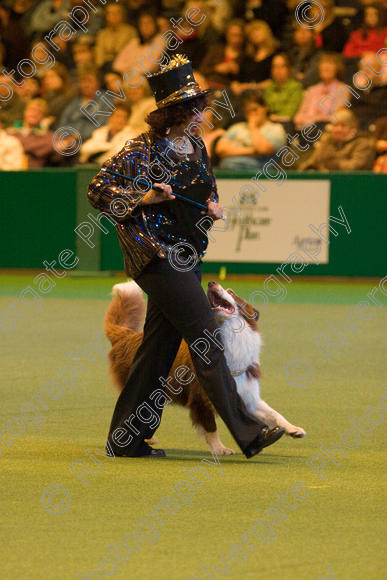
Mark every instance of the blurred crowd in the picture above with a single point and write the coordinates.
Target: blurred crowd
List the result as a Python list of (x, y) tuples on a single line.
[(276, 73)]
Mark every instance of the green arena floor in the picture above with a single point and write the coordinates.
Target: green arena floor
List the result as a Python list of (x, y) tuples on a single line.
[(332, 527)]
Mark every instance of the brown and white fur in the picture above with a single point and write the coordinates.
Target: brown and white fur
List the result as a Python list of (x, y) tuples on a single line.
[(241, 339)]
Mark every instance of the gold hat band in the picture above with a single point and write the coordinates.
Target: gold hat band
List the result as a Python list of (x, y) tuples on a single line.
[(190, 90)]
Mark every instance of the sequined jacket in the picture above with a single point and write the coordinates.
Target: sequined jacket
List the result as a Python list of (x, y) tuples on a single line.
[(119, 202)]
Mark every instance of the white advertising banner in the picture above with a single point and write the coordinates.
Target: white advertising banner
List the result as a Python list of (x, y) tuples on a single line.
[(272, 227)]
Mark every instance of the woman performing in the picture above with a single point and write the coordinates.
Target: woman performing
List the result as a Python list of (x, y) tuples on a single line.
[(159, 237)]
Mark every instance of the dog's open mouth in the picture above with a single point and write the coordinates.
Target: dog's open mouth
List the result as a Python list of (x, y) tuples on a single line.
[(217, 302)]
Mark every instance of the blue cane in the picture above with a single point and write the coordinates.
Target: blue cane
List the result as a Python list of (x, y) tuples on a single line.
[(182, 197)]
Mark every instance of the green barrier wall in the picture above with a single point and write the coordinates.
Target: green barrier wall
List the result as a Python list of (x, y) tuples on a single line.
[(37, 216), (41, 208)]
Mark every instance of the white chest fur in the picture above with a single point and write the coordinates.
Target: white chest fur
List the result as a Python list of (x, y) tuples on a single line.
[(241, 349), (242, 345)]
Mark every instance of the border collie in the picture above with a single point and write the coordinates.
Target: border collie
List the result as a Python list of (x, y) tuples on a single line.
[(241, 339)]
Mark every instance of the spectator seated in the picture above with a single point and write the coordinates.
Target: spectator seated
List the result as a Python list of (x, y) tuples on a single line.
[(283, 94), (109, 139), (330, 68), (342, 147), (36, 141), (11, 152), (250, 144), (370, 37), (222, 63)]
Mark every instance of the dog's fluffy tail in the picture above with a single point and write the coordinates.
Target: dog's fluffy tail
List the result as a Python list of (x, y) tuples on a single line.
[(126, 311)]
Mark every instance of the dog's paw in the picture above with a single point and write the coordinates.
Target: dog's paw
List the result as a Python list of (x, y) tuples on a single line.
[(222, 450), (297, 432)]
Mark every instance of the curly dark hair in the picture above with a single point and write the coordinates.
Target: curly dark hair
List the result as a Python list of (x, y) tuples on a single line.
[(253, 96), (180, 113)]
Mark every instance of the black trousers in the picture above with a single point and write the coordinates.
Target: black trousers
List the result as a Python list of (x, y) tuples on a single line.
[(177, 308)]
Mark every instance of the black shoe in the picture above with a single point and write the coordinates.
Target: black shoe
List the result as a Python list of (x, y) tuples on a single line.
[(265, 438), (147, 451), (153, 453)]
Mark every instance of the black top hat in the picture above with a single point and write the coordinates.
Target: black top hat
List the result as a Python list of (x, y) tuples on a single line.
[(175, 83)]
